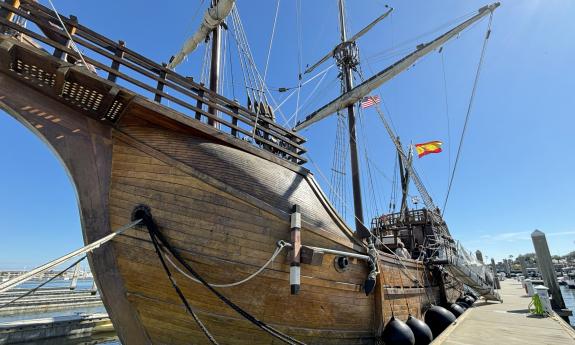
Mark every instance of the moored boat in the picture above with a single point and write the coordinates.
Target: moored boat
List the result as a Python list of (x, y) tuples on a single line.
[(221, 181)]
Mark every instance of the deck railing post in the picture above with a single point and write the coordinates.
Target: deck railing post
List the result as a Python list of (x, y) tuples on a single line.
[(160, 86), (8, 14), (118, 58), (119, 52), (72, 30), (236, 112), (199, 103)]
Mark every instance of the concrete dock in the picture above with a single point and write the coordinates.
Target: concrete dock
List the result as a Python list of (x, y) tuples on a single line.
[(508, 323)]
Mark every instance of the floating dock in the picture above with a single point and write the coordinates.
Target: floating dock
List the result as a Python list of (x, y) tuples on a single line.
[(74, 326), (508, 323), (45, 300)]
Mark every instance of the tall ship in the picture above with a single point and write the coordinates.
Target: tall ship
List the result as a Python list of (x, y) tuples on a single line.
[(234, 241)]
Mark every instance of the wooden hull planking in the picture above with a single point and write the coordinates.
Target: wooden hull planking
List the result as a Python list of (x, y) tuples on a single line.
[(223, 208)]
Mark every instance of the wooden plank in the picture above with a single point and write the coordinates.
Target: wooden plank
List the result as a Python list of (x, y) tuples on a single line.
[(89, 165), (506, 323)]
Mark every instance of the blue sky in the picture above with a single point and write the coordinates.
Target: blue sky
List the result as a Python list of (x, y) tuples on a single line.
[(515, 172)]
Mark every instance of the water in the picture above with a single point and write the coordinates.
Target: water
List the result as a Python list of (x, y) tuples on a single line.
[(569, 298), (83, 284)]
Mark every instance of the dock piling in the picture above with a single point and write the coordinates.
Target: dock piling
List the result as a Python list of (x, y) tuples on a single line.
[(74, 281), (495, 276), (94, 288), (547, 269)]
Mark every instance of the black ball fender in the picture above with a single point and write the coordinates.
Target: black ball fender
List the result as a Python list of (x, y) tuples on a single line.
[(396, 332), (438, 319), (456, 309), (421, 331)]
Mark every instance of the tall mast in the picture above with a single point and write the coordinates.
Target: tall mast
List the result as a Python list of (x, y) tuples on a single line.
[(215, 63), (346, 55)]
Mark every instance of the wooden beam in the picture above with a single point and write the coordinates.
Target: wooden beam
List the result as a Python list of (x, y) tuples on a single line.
[(379, 295)]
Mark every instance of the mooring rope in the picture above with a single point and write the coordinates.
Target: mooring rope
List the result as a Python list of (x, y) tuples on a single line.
[(86, 249), (156, 235), (179, 291), (280, 246), (28, 293)]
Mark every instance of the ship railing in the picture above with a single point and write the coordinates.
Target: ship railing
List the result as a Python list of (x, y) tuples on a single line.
[(128, 69), (392, 220)]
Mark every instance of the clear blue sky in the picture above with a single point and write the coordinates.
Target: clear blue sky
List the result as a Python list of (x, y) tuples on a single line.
[(515, 172)]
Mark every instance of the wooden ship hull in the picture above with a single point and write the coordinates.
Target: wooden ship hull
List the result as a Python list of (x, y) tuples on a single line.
[(222, 202)]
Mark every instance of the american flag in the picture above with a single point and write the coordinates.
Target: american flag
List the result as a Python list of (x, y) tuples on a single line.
[(368, 101)]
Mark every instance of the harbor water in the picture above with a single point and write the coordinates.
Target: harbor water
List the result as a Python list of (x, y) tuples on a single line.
[(569, 298)]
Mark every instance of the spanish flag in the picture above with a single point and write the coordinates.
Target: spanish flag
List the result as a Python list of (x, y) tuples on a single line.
[(427, 148)]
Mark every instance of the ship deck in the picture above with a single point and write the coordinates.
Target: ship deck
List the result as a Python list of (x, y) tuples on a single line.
[(507, 323)]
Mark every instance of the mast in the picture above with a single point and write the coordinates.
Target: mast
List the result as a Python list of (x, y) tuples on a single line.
[(346, 55), (404, 174), (363, 89), (215, 63)]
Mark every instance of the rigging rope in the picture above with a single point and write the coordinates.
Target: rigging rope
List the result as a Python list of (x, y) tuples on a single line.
[(28, 293), (72, 43), (447, 116), (469, 107), (280, 246), (205, 68), (377, 240), (243, 47), (299, 57), (406, 45), (233, 83), (271, 40), (154, 231), (86, 249), (403, 291), (368, 173), (298, 89), (339, 166)]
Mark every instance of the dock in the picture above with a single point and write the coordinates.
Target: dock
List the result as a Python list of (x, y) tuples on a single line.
[(45, 300), (73, 326), (508, 323)]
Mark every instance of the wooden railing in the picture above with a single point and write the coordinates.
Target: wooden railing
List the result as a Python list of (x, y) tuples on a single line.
[(392, 220), (118, 64)]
